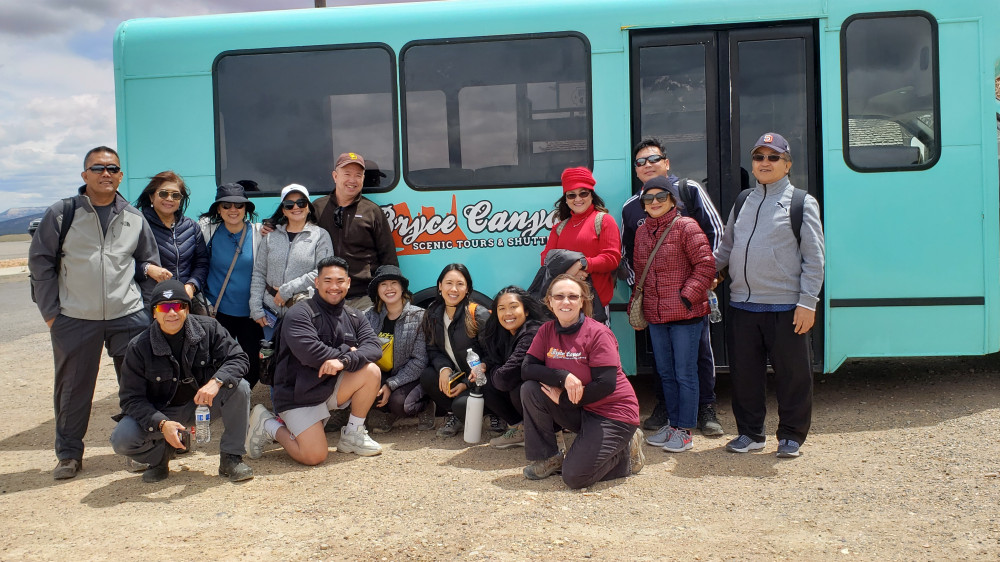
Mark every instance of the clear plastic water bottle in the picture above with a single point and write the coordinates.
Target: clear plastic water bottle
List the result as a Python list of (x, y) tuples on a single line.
[(713, 302), (202, 419), (476, 367)]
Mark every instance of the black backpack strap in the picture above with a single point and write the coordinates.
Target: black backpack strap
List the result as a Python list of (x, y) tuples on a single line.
[(684, 189), (69, 211), (740, 200), (795, 213)]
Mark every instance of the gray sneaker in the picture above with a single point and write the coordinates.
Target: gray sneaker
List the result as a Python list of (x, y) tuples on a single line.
[(538, 470), (358, 442), (257, 438), (680, 441), (134, 465), (636, 456), (661, 436), (788, 449), (513, 437), (744, 444), (452, 426), (425, 419)]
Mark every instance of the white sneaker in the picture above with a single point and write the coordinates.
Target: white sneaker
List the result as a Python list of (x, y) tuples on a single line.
[(661, 436), (358, 442), (257, 438), (135, 466)]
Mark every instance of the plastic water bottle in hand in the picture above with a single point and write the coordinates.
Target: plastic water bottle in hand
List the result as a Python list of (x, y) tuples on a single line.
[(715, 316), (202, 419), (476, 368)]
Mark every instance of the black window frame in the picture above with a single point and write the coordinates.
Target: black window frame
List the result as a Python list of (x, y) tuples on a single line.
[(394, 92), (936, 79), (404, 144)]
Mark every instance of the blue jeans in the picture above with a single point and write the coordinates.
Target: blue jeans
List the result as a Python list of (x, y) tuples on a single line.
[(675, 349)]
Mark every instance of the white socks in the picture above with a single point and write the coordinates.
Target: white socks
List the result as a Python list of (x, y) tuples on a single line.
[(271, 427), (354, 422)]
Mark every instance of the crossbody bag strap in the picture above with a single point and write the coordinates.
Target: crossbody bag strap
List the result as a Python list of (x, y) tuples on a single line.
[(649, 262), (236, 255)]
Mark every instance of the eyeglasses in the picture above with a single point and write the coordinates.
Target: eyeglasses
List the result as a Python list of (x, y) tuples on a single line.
[(652, 159), (660, 196), (769, 157), (300, 203), (165, 307), (100, 168), (172, 195), (570, 298), (227, 205), (582, 195)]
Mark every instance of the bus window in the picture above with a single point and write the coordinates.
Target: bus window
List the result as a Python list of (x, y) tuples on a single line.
[(890, 91), (283, 116), (495, 113)]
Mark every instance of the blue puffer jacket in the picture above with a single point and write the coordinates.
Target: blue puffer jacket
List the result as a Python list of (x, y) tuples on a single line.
[(182, 250)]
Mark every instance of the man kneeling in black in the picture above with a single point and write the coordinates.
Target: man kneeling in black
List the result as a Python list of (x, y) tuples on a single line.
[(171, 368)]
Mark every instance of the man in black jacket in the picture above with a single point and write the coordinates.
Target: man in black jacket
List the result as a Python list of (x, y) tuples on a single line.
[(177, 364), (325, 361)]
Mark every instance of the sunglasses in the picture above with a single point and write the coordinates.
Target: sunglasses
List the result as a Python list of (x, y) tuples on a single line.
[(660, 196), (651, 159), (165, 307), (768, 157), (570, 298), (172, 195), (227, 205), (582, 195), (100, 168), (300, 203)]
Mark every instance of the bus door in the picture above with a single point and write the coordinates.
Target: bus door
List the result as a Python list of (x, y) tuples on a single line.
[(708, 95)]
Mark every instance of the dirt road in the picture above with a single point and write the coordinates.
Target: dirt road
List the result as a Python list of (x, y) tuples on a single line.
[(901, 465)]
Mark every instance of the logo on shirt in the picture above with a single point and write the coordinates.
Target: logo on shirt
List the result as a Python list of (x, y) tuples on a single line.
[(554, 353)]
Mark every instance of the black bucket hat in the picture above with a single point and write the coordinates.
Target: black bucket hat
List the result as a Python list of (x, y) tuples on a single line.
[(386, 273), (230, 193)]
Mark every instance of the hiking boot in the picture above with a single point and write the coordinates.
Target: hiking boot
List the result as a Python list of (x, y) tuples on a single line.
[(708, 422), (513, 437), (134, 465), (497, 425), (379, 421), (358, 442), (452, 426), (67, 468), (745, 444), (338, 419), (636, 456), (658, 418), (538, 470), (161, 470), (660, 438), (425, 419), (788, 449), (680, 441), (233, 468), (257, 438)]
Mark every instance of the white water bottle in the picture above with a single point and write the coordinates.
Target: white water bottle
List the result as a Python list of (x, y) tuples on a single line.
[(475, 404), (715, 316), (202, 419)]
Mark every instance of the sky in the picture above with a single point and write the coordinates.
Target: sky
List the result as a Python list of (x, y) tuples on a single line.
[(57, 93)]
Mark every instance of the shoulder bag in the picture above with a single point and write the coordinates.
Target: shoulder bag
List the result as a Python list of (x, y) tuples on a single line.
[(635, 316)]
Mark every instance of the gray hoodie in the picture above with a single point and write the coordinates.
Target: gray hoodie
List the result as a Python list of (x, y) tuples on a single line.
[(289, 266), (766, 264)]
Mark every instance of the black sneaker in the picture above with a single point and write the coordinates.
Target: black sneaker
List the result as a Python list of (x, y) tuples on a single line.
[(338, 419), (708, 422), (233, 468), (658, 418), (161, 470), (497, 426), (379, 421), (452, 426)]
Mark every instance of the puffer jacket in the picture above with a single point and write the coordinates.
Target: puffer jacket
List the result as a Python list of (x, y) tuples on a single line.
[(289, 266), (457, 334), (151, 374), (683, 267), (409, 346), (182, 250)]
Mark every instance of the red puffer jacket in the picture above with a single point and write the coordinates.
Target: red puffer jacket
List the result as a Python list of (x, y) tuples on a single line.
[(683, 266)]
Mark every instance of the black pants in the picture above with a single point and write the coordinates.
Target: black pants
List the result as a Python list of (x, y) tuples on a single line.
[(751, 337), (706, 369), (600, 450), (248, 334), (76, 348), (456, 405), (506, 405), (397, 399)]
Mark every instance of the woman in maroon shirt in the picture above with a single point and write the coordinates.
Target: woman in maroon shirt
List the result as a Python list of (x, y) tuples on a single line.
[(574, 379)]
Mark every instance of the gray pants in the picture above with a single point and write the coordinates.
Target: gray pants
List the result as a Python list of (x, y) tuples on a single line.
[(76, 348), (131, 440), (600, 450)]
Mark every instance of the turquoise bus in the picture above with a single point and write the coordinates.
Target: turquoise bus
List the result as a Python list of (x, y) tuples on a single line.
[(469, 110)]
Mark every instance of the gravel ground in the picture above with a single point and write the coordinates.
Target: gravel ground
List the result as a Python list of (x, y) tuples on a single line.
[(900, 465)]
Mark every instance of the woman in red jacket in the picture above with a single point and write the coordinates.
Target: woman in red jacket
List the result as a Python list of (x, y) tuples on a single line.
[(675, 300), (579, 210)]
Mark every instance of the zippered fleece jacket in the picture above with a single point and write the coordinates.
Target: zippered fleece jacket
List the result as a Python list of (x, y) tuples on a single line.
[(289, 266), (766, 264), (97, 274)]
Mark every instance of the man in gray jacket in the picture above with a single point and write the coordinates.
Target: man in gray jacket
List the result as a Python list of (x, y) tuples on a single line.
[(774, 287), (87, 293)]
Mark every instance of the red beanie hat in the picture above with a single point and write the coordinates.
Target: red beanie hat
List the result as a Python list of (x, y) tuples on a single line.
[(577, 178)]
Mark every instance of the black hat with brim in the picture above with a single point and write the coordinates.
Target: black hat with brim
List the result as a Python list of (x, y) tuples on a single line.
[(386, 273), (230, 193)]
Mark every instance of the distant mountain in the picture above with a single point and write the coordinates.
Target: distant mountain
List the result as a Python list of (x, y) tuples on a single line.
[(19, 225), (20, 212)]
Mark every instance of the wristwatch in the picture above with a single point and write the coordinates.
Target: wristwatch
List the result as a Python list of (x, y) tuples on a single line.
[(220, 381)]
